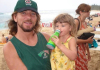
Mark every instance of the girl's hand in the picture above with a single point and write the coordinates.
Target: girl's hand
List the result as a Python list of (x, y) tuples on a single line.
[(56, 40)]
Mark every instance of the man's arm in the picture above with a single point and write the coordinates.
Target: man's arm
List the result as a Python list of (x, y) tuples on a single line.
[(46, 36), (12, 59)]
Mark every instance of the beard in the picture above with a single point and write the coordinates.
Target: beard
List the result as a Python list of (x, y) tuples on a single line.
[(26, 29)]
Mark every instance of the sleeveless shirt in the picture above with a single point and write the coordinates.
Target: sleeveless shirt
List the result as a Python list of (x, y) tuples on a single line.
[(81, 62), (34, 57), (59, 61)]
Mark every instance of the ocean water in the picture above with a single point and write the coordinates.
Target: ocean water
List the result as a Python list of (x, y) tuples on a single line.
[(47, 16), (4, 17)]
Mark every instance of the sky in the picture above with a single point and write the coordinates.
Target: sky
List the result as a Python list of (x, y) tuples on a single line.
[(7, 6)]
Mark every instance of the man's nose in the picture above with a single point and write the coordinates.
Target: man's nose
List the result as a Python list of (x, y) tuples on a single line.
[(29, 16)]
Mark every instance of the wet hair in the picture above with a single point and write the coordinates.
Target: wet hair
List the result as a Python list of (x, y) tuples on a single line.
[(66, 18), (83, 7), (13, 25)]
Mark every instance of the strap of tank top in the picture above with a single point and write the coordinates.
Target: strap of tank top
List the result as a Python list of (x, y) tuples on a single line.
[(69, 38), (78, 24)]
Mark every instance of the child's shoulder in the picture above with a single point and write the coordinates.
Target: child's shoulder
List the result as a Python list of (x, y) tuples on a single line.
[(72, 38)]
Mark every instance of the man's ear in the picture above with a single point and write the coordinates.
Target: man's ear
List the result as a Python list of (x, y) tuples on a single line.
[(15, 17)]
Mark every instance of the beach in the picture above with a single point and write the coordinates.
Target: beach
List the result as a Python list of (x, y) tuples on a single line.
[(94, 63)]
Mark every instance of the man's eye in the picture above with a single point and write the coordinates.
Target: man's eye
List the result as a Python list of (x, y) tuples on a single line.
[(33, 14), (23, 13)]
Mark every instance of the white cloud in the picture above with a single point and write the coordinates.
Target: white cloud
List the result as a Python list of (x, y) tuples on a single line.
[(8, 5)]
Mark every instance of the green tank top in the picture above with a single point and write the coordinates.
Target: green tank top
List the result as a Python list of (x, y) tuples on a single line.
[(34, 57)]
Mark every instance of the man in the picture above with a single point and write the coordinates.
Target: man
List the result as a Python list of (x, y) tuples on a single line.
[(27, 49)]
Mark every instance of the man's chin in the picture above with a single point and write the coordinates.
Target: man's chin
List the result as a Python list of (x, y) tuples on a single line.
[(27, 30)]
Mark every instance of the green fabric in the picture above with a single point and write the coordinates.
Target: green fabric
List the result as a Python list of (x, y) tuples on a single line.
[(26, 5), (34, 57)]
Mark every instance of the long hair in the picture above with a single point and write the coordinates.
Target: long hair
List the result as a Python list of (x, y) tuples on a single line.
[(66, 18), (13, 25)]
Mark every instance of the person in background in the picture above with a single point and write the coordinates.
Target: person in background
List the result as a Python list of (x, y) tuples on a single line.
[(98, 24), (3, 39), (27, 49), (65, 52), (81, 63), (9, 37)]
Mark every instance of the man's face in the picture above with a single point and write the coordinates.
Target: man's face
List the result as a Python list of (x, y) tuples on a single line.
[(26, 20)]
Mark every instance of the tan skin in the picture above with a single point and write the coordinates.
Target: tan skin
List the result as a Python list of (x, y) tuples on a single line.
[(83, 16), (70, 53), (9, 37), (10, 54), (65, 28)]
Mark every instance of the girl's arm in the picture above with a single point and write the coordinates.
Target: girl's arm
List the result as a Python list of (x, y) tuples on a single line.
[(71, 53)]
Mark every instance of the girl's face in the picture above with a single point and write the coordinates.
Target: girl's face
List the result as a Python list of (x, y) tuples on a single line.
[(64, 28)]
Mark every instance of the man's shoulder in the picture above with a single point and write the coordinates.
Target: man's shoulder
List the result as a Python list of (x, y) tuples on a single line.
[(8, 46), (47, 36)]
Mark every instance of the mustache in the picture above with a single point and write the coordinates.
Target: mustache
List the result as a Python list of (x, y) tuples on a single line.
[(28, 21)]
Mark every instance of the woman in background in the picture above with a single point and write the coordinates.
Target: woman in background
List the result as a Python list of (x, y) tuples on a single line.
[(81, 63)]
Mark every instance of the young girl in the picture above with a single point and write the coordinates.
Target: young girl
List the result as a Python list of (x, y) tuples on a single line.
[(64, 54)]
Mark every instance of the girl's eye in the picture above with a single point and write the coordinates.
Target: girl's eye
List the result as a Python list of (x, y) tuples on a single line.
[(62, 25), (56, 26)]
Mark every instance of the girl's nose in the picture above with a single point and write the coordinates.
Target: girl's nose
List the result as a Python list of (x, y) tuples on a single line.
[(59, 28)]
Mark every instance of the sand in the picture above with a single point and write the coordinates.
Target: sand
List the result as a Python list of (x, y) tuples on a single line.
[(94, 63)]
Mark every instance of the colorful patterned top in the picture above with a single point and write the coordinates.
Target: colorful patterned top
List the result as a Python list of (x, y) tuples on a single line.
[(81, 62), (59, 61)]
